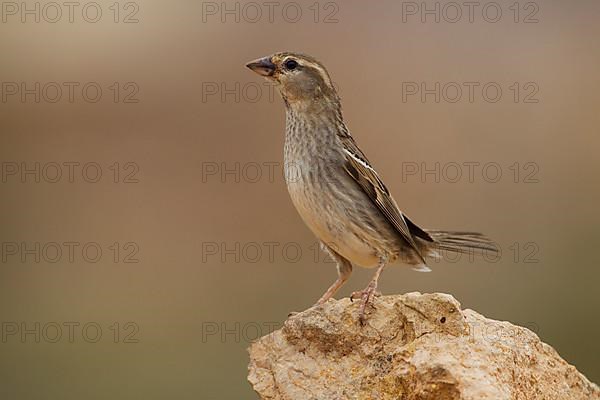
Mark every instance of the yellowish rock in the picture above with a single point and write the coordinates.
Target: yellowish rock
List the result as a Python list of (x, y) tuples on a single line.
[(414, 347)]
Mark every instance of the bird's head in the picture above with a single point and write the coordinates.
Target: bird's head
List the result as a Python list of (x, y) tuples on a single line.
[(301, 79)]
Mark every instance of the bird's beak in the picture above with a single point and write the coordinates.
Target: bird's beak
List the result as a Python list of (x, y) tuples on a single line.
[(262, 66)]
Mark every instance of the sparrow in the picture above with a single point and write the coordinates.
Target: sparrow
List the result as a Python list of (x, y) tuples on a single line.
[(335, 188)]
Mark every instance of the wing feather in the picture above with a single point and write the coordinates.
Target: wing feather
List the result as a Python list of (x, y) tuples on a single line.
[(360, 169)]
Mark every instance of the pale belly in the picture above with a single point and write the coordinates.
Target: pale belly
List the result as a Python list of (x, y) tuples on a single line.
[(341, 240), (333, 223)]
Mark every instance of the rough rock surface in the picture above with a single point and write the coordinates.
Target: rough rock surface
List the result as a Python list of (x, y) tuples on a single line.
[(413, 347)]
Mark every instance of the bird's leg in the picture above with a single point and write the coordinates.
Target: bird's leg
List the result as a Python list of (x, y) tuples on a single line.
[(344, 268), (368, 293)]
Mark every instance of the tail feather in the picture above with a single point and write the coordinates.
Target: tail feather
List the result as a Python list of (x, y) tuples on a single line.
[(461, 242)]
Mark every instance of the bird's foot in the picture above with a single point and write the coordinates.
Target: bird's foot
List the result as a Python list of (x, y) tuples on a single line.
[(366, 297), (362, 293)]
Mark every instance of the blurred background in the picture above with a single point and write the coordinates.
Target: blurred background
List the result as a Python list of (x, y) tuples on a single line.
[(147, 235)]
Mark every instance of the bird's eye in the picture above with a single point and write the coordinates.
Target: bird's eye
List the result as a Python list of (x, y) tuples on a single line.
[(291, 64)]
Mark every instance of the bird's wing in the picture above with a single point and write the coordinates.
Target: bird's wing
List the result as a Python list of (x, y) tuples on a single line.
[(367, 178)]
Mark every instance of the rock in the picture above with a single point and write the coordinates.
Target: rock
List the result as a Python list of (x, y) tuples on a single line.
[(413, 347)]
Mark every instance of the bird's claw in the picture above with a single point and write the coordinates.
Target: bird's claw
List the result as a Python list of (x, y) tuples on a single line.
[(366, 297), (366, 292)]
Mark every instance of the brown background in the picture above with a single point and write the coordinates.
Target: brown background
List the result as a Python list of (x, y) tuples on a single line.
[(177, 292)]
